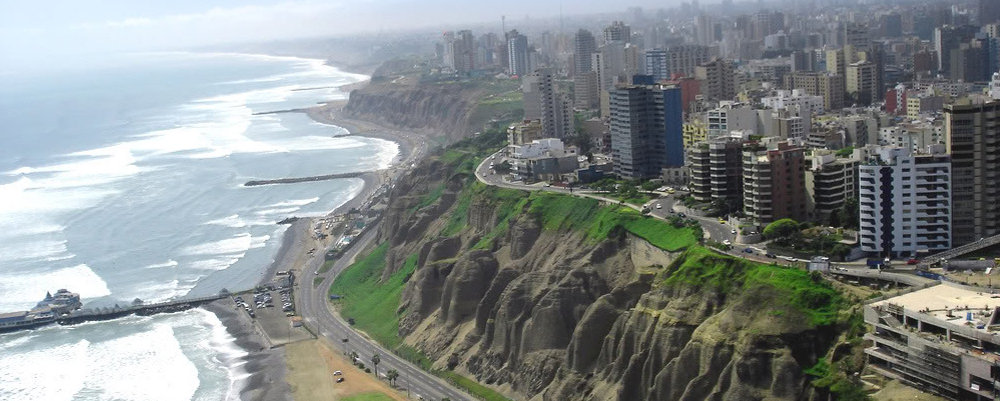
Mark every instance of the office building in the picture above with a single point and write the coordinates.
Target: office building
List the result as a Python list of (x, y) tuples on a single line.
[(646, 130), (905, 202), (972, 136), (774, 184)]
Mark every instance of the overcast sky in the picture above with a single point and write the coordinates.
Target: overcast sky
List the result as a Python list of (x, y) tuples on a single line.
[(29, 27)]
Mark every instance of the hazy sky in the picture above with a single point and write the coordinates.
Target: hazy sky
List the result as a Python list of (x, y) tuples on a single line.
[(30, 27)]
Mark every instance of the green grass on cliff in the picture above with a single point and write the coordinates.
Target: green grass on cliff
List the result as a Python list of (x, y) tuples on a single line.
[(371, 302), (808, 293), (559, 212)]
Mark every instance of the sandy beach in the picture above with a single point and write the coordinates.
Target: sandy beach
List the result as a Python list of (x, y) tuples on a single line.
[(267, 367)]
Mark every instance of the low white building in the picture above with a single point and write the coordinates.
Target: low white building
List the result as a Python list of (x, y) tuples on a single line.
[(904, 201), (537, 148), (783, 99)]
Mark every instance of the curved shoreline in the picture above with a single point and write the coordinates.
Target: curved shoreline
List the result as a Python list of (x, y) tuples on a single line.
[(266, 368)]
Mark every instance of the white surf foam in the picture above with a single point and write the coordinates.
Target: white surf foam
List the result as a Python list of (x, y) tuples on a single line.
[(236, 244), (233, 221), (22, 290), (168, 263), (149, 365)]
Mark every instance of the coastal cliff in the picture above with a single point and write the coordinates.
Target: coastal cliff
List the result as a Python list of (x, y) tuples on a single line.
[(551, 297), (402, 96)]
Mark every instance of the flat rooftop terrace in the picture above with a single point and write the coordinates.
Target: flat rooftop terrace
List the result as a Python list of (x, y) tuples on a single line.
[(949, 303)]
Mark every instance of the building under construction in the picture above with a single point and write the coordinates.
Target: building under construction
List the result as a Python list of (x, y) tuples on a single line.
[(944, 339)]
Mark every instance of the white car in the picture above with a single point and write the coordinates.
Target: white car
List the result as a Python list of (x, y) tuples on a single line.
[(337, 373), (659, 206), (727, 242)]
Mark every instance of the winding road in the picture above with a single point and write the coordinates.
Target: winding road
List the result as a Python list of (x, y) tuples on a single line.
[(314, 306)]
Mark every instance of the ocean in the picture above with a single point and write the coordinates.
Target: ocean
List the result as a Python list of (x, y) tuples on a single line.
[(122, 178)]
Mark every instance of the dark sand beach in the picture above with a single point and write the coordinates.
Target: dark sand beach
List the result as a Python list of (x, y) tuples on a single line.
[(266, 366)]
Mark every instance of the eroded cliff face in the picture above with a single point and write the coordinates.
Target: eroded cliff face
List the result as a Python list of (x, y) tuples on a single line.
[(444, 108), (553, 315)]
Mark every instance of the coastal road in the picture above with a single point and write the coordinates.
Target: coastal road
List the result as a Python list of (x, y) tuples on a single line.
[(313, 305), (711, 226)]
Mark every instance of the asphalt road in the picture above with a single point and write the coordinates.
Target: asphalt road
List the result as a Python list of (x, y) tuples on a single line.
[(314, 307)]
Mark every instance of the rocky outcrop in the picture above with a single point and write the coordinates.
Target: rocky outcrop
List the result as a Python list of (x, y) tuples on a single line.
[(546, 315)]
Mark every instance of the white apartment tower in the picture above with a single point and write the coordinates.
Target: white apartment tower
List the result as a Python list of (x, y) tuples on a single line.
[(905, 201)]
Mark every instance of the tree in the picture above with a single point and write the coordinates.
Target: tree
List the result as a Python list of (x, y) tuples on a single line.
[(375, 361), (354, 357), (392, 375), (783, 228), (849, 213), (840, 251), (503, 168)]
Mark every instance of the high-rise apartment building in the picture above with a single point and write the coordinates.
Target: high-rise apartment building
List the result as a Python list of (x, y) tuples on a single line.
[(717, 79), (715, 169), (830, 181), (464, 52), (972, 137), (517, 54), (542, 101), (948, 38), (861, 82), (774, 184), (646, 130), (617, 32), (905, 202), (585, 86), (829, 86), (656, 64), (683, 59)]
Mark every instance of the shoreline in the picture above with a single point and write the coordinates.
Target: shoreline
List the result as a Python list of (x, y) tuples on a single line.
[(266, 367)]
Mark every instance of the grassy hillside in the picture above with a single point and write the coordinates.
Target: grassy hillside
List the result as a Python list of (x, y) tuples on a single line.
[(807, 293), (372, 303)]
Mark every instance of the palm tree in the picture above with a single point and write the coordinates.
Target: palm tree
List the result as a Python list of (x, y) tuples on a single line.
[(392, 375), (375, 360)]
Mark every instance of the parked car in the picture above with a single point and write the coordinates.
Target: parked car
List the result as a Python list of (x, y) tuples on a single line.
[(770, 255), (912, 262), (659, 206), (748, 250)]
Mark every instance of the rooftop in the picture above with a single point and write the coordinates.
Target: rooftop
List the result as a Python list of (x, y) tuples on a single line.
[(947, 302)]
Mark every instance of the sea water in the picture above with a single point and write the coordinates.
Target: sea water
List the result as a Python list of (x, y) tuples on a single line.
[(122, 178)]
